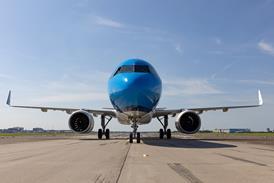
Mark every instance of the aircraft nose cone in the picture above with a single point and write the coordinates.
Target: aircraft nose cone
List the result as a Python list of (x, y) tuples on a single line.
[(135, 82), (135, 92)]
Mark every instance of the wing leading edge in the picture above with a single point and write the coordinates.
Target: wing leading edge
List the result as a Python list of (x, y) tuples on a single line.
[(158, 112), (173, 112), (111, 113)]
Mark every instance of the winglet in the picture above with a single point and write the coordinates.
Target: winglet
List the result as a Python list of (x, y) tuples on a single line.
[(8, 100), (261, 102)]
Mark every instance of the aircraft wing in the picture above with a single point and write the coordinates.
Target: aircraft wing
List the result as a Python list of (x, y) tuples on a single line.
[(173, 112), (105, 112)]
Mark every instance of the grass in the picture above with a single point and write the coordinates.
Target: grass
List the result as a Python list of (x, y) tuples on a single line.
[(255, 134), (33, 134), (203, 134)]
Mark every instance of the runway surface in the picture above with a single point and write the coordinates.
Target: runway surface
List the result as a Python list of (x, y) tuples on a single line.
[(87, 160)]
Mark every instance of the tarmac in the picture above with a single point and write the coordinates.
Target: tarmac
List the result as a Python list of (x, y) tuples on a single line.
[(84, 159)]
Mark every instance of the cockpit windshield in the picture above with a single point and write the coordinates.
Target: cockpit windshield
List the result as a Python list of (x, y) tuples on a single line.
[(132, 68)]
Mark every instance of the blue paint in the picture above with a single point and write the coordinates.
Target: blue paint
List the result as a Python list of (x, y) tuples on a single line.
[(135, 91)]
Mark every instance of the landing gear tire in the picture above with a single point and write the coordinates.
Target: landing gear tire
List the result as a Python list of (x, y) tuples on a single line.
[(161, 132), (131, 138), (138, 138), (100, 133), (107, 133), (168, 134)]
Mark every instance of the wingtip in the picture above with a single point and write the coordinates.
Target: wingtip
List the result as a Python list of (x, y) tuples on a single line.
[(261, 102), (9, 98)]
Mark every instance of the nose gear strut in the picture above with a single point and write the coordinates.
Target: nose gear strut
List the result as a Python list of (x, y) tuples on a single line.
[(134, 135)]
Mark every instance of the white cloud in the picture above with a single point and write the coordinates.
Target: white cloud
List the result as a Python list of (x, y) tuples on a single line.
[(108, 22), (5, 76), (221, 71), (218, 41), (178, 48), (266, 47), (261, 82), (74, 87), (72, 97), (216, 52), (181, 87)]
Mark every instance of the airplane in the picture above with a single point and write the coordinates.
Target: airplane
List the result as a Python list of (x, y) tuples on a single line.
[(134, 91)]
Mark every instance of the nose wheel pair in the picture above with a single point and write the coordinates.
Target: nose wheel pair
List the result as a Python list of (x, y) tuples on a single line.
[(135, 135), (138, 137)]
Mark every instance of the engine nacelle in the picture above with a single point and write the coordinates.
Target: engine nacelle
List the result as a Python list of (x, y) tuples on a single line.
[(81, 122), (188, 122)]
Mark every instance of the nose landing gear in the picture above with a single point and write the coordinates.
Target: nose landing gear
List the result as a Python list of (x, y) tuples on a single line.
[(134, 135)]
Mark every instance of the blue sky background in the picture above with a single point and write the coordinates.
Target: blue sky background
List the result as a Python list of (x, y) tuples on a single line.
[(208, 53)]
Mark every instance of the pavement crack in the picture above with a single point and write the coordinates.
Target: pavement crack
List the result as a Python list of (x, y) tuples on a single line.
[(264, 149), (99, 179), (73, 143), (243, 160), (123, 163), (184, 172)]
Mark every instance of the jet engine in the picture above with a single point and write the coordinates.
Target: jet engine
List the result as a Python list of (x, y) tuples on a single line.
[(188, 122), (81, 122)]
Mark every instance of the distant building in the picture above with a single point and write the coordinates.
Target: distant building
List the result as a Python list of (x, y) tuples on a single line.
[(38, 130), (233, 130), (14, 130)]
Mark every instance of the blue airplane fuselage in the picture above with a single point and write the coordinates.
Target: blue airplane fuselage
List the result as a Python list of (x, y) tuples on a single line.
[(134, 88)]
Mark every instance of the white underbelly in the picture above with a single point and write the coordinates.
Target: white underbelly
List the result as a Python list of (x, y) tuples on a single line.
[(131, 117)]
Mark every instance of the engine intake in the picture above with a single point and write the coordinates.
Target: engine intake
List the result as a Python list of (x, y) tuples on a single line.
[(81, 122), (188, 122)]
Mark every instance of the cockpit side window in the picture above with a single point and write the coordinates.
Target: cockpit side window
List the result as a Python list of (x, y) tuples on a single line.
[(132, 68)]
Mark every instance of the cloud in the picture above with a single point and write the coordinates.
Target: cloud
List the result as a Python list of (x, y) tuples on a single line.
[(216, 52), (178, 48), (72, 97), (221, 71), (108, 22), (266, 47), (260, 82), (5, 76), (181, 87), (73, 87), (218, 41)]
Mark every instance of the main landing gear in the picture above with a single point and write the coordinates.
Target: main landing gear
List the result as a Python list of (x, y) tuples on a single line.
[(164, 131), (134, 135), (103, 131)]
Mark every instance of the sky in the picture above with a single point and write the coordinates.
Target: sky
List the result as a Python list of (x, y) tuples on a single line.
[(207, 53)]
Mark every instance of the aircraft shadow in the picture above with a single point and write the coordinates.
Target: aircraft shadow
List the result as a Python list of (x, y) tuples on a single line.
[(173, 143), (103, 139), (185, 143)]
